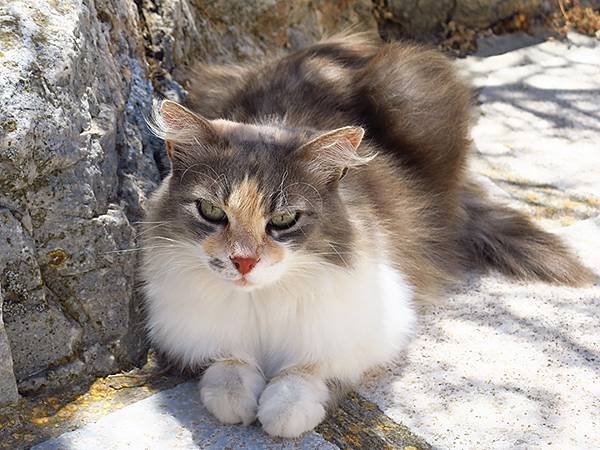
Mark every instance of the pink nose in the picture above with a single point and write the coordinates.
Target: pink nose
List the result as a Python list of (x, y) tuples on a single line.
[(244, 265)]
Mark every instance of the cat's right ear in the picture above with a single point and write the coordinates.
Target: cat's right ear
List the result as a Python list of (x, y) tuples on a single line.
[(331, 154), (180, 127)]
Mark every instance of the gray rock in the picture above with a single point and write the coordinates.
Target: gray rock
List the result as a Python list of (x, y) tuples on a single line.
[(76, 164), (424, 18), (483, 13), (179, 32), (417, 18), (39, 332), (8, 384)]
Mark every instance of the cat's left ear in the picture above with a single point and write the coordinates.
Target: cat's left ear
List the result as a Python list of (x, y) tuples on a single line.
[(331, 154), (180, 127)]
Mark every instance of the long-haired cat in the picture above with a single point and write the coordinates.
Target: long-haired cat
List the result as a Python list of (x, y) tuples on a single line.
[(313, 200)]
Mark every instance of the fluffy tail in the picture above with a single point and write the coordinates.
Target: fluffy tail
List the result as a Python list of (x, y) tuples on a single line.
[(501, 238)]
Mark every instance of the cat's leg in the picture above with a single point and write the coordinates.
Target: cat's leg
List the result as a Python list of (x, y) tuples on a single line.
[(292, 403), (230, 390)]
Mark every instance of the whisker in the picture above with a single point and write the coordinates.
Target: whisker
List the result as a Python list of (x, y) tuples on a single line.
[(313, 188), (138, 249), (160, 224), (185, 243)]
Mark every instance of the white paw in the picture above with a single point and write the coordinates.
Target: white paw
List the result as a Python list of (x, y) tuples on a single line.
[(292, 405), (230, 392)]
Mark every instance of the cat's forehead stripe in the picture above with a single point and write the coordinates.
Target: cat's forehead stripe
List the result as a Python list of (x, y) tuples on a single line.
[(250, 133), (245, 209), (246, 197)]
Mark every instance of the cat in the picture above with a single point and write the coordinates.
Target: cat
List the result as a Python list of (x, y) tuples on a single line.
[(315, 200)]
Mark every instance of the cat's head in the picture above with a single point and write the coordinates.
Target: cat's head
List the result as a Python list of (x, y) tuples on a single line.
[(251, 203)]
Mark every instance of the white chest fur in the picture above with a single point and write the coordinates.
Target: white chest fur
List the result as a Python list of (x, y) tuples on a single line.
[(343, 321)]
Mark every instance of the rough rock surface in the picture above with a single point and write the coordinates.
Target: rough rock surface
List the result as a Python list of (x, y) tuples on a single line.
[(75, 164), (424, 18), (8, 385), (427, 19), (179, 32)]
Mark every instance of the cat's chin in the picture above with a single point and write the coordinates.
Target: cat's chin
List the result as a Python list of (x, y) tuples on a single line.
[(245, 285)]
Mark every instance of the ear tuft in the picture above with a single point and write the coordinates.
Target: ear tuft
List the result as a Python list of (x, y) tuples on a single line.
[(354, 135), (178, 125), (333, 152)]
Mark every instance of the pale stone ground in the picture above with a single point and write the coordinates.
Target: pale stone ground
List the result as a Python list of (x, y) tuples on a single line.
[(172, 419), (538, 133), (503, 365), (498, 364)]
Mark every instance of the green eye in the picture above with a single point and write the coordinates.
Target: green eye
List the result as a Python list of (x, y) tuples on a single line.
[(284, 220), (211, 212)]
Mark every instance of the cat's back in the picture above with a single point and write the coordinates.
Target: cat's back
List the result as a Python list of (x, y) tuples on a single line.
[(408, 98), (312, 88)]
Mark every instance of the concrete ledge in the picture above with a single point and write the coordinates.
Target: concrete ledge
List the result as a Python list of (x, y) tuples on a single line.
[(175, 419)]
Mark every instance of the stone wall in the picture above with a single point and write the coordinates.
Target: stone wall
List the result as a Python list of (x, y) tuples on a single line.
[(76, 162), (423, 19), (77, 78), (8, 385)]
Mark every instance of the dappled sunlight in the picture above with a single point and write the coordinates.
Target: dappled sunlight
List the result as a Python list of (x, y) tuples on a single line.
[(536, 133), (505, 364), (502, 363)]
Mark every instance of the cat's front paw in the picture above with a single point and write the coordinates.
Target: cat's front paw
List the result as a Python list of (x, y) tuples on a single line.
[(230, 391), (292, 405)]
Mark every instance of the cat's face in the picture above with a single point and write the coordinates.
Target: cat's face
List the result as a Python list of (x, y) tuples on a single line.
[(245, 227), (252, 203)]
